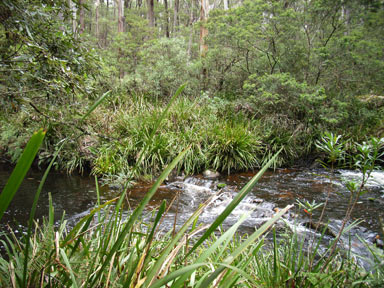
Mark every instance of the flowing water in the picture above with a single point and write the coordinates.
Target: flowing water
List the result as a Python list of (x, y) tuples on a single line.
[(76, 195)]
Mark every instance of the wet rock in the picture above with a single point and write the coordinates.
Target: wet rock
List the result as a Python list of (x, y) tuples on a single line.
[(192, 188), (379, 243), (293, 215), (211, 174), (256, 201), (115, 186), (320, 228), (371, 237), (316, 165), (176, 185), (174, 176)]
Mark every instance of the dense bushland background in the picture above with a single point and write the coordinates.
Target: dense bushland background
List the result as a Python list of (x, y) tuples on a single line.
[(261, 75)]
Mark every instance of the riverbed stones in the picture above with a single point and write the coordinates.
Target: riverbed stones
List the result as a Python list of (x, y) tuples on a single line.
[(321, 227), (211, 174), (379, 243)]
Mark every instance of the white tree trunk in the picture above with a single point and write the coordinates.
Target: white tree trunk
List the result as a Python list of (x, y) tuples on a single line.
[(97, 4), (225, 4), (73, 8)]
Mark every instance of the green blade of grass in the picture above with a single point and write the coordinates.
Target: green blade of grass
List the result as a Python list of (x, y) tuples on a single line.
[(159, 215), (51, 212), (94, 105), (69, 268), (33, 211), (235, 269), (245, 244), (236, 200), (232, 278), (157, 124), (176, 274), (146, 255), (70, 237), (151, 275), (136, 213), (20, 170), (226, 237)]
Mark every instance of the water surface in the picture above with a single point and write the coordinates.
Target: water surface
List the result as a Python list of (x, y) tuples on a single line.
[(76, 195)]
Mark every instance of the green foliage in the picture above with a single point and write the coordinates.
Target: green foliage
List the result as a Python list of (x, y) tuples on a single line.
[(287, 264), (333, 147), (116, 252), (20, 170), (281, 95), (12, 139), (232, 147), (282, 70), (299, 66), (45, 79), (39, 54), (170, 68), (369, 155)]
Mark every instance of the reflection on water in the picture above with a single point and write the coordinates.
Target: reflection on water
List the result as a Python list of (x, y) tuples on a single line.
[(72, 194)]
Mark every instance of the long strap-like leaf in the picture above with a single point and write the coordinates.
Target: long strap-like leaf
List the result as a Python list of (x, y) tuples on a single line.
[(33, 211), (245, 245), (226, 237), (240, 196), (94, 105), (136, 213), (20, 170)]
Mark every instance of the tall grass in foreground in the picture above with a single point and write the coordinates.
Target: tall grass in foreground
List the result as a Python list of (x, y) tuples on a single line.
[(108, 248), (112, 250)]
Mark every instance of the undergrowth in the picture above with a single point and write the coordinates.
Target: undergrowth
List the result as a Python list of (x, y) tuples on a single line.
[(223, 135)]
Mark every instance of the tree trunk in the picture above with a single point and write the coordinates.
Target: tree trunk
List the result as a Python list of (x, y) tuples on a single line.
[(166, 18), (225, 4), (191, 31), (120, 21), (176, 16), (73, 9), (203, 29), (151, 13), (81, 16), (120, 29), (97, 4)]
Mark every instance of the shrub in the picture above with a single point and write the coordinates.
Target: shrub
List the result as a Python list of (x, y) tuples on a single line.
[(170, 68)]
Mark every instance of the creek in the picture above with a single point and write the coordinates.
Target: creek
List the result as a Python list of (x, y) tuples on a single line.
[(76, 195)]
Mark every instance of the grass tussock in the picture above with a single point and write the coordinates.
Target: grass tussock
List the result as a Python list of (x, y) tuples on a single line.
[(101, 252), (214, 141)]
